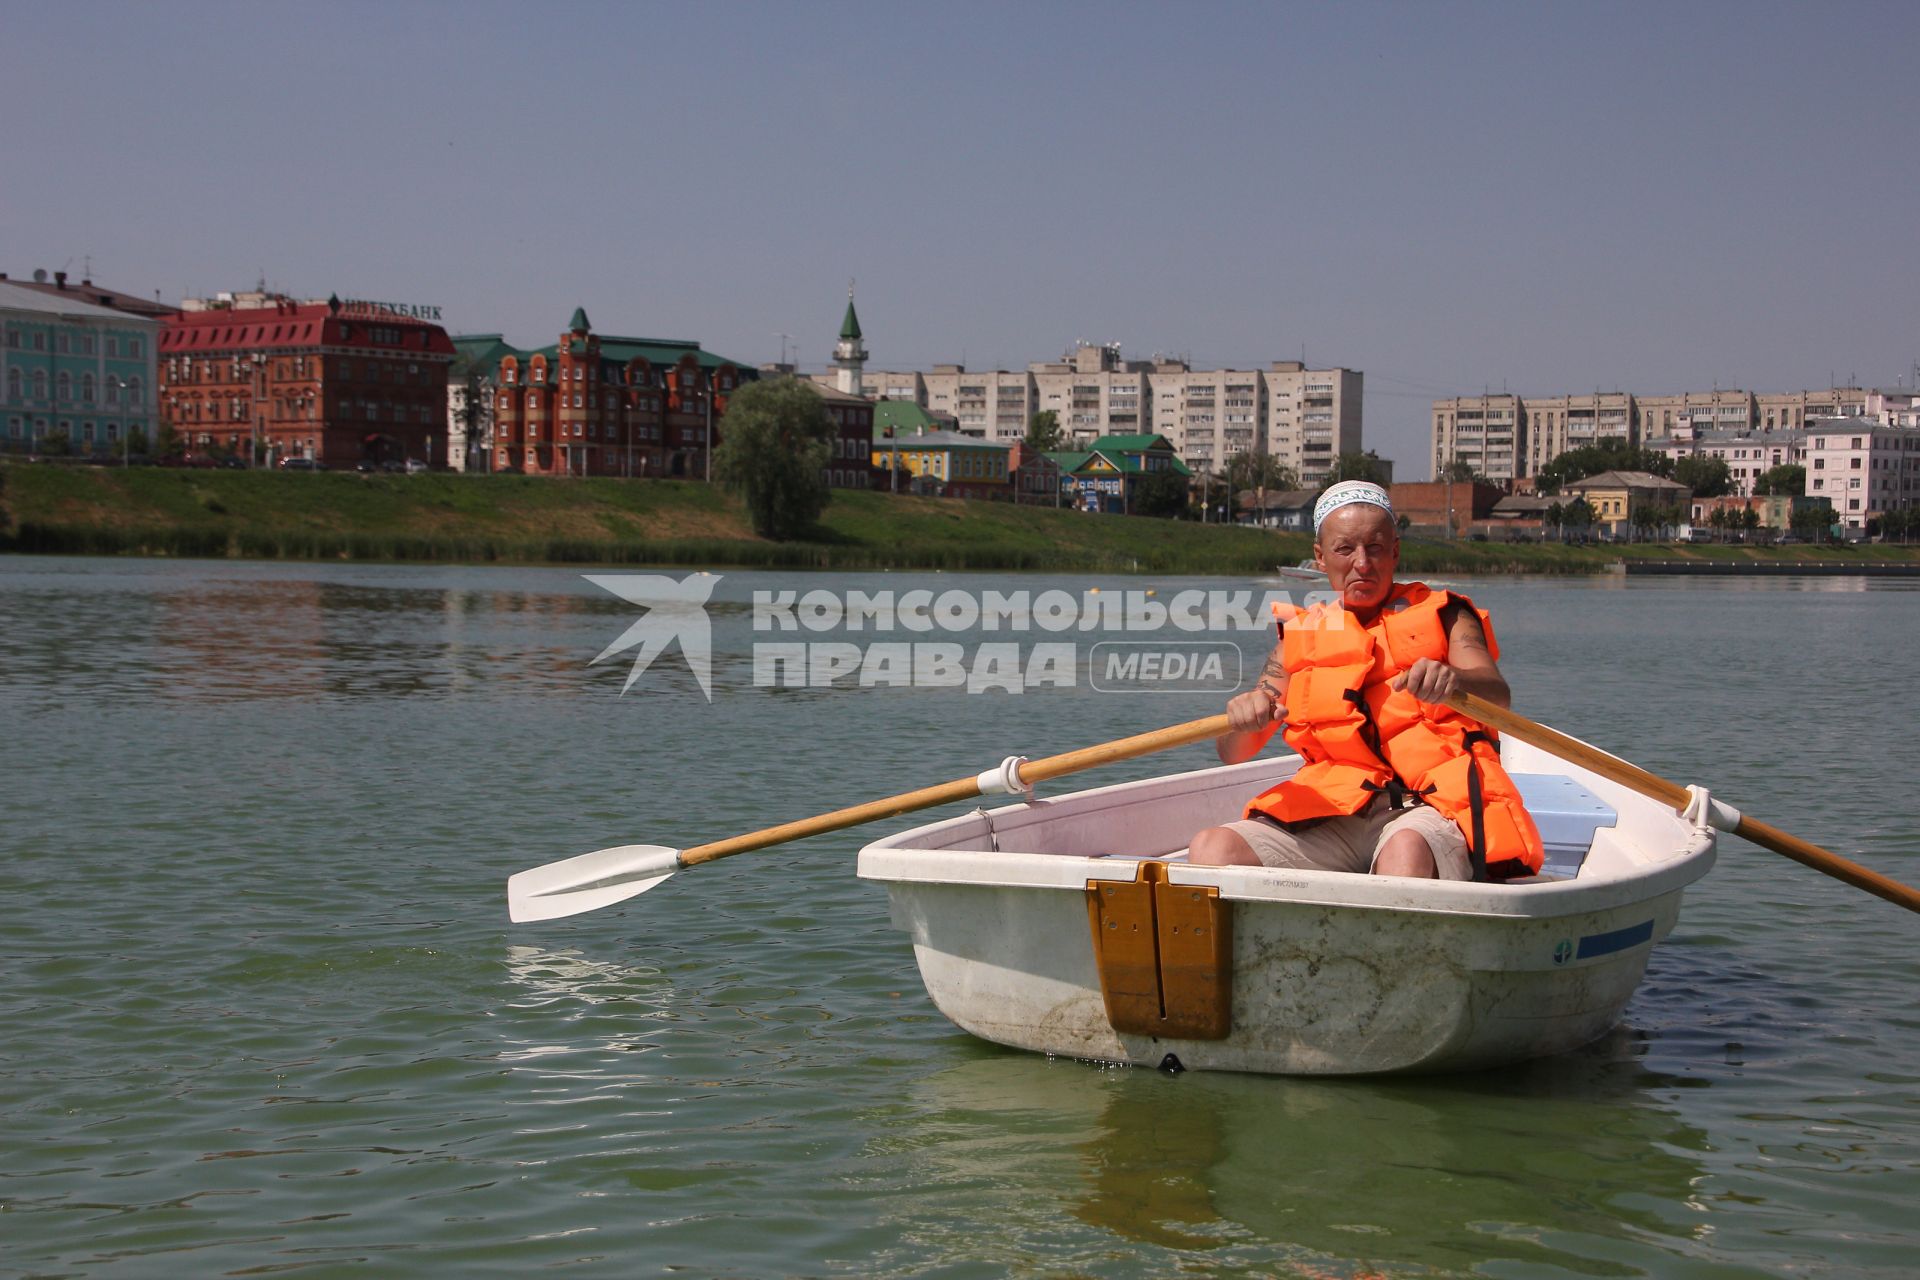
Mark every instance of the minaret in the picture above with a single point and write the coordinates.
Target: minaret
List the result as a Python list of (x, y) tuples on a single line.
[(850, 354)]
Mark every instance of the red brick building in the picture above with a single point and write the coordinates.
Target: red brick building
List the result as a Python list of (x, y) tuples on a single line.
[(851, 466), (607, 406), (338, 383)]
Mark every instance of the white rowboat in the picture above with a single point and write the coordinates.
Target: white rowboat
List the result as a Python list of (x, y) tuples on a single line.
[(1281, 971)]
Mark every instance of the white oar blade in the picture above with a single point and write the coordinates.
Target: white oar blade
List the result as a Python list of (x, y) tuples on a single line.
[(588, 882)]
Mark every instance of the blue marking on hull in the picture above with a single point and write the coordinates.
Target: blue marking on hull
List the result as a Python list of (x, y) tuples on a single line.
[(1605, 944)]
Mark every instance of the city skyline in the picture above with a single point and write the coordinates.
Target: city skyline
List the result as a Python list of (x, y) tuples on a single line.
[(1447, 200)]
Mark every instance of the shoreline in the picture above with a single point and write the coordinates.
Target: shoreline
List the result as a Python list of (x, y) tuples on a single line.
[(453, 519)]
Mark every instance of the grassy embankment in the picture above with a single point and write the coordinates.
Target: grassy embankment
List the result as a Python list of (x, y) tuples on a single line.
[(528, 520)]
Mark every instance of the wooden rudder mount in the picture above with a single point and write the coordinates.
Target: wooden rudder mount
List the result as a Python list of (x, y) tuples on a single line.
[(1165, 955)]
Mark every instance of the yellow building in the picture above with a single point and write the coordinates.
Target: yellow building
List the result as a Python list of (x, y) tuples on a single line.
[(944, 464), (1620, 498)]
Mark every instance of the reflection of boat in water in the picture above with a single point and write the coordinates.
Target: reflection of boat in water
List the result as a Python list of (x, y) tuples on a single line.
[(1525, 1168), (1075, 926)]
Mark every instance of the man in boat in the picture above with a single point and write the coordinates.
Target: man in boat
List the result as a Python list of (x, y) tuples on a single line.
[(1394, 782)]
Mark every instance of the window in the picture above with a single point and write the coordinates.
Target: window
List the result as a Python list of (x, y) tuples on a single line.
[(135, 392), (65, 347), (135, 348), (15, 387), (86, 388), (64, 384)]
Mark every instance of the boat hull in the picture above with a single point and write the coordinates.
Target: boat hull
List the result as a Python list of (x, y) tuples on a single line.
[(1330, 973), (1424, 994)]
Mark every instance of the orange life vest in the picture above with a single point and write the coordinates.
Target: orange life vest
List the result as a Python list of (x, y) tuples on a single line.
[(1360, 737)]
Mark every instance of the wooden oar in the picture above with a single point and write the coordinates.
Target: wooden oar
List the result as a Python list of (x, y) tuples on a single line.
[(606, 876), (1721, 815)]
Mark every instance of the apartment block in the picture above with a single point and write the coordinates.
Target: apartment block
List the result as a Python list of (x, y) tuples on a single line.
[(1505, 437), (1748, 454), (1488, 433), (1862, 467), (1555, 424), (1305, 417)]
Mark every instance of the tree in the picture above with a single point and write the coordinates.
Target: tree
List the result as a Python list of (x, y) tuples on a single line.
[(775, 450), (1160, 493), (136, 441), (1708, 477), (1356, 466), (1610, 454), (1556, 516), (471, 417), (1788, 479), (1259, 470), (1459, 470), (1043, 431), (1652, 519), (171, 444), (1813, 522), (54, 444), (1578, 514)]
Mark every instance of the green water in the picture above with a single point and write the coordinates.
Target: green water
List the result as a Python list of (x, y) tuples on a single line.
[(261, 1011)]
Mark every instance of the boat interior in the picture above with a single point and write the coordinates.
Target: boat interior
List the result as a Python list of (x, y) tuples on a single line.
[(1595, 831)]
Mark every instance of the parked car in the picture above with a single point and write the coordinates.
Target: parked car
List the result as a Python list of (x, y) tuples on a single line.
[(301, 464), (415, 466)]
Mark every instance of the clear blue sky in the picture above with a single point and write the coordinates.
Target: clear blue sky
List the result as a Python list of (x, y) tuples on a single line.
[(1544, 197)]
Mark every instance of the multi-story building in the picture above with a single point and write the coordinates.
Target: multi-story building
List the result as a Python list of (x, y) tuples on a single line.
[(341, 383), (1555, 424), (1897, 408), (1305, 417), (1314, 417), (1488, 433), (851, 465), (74, 372), (593, 405), (472, 388), (93, 294), (1749, 454), (1479, 430), (1862, 467)]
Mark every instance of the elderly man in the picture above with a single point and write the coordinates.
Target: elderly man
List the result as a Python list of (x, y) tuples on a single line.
[(1393, 782)]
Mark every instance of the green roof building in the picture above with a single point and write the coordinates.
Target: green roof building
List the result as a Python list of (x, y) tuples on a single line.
[(1104, 477), (595, 404)]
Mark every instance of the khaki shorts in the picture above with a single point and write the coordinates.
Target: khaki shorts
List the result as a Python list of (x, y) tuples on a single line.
[(1350, 844)]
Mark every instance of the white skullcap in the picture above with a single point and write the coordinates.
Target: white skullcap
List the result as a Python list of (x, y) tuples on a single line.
[(1346, 493)]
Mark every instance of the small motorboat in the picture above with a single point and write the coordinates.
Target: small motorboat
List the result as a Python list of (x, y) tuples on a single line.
[(1074, 925), (1305, 571)]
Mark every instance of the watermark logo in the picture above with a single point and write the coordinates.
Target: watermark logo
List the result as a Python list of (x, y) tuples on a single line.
[(1148, 666), (676, 611), (979, 641)]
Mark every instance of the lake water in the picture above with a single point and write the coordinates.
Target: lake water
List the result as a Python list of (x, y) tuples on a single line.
[(263, 1012)]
